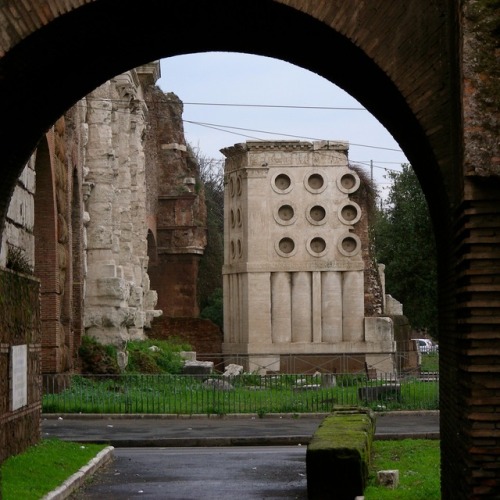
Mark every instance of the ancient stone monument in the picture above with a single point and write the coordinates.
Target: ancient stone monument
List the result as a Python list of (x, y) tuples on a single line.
[(297, 264)]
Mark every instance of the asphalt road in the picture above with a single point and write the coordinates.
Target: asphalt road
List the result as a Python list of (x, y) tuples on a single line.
[(187, 473), (234, 458)]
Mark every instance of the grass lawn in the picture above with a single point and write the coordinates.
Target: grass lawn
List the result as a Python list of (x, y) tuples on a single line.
[(189, 395), (42, 468), (430, 362), (418, 462)]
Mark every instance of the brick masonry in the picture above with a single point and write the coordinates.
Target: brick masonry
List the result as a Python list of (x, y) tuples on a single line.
[(19, 325)]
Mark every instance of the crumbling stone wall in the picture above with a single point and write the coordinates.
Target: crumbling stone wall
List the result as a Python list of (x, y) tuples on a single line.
[(119, 302), (373, 285)]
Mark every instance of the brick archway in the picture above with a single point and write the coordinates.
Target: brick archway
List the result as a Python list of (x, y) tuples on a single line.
[(46, 258), (406, 62)]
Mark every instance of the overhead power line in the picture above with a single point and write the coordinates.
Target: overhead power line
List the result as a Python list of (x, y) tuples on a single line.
[(238, 105), (272, 106), (223, 127)]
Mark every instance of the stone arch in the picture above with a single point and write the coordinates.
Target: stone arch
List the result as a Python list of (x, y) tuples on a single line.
[(245, 27), (406, 62)]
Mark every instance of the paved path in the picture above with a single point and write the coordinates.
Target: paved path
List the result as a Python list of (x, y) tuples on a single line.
[(208, 473), (155, 456)]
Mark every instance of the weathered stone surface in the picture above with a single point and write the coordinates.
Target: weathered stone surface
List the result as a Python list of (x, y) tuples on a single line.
[(197, 367), (285, 294), (232, 370), (118, 286), (218, 384)]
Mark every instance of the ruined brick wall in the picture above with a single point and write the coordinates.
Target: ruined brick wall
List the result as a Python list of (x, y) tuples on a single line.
[(180, 216), (365, 198), (19, 326), (204, 336)]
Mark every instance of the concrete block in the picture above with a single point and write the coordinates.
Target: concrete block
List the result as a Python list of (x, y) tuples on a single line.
[(388, 478)]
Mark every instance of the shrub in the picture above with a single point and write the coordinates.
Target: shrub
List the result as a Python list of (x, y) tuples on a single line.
[(17, 260), (97, 358), (155, 356)]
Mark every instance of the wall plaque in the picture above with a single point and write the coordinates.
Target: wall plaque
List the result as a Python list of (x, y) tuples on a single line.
[(19, 375)]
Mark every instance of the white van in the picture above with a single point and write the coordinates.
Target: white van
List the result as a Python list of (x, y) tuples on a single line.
[(425, 345)]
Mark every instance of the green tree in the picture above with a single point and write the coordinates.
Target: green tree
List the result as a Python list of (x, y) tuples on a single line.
[(404, 242), (214, 310)]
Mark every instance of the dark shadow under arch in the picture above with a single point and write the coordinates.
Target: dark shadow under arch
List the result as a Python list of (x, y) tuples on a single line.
[(81, 50)]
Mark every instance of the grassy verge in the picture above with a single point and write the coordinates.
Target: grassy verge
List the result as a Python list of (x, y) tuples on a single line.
[(44, 467), (419, 473)]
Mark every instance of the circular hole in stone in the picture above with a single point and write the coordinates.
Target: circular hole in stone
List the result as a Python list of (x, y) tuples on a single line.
[(348, 181), (318, 245), (238, 185), (231, 186), (232, 249), (286, 212), (238, 217), (317, 213), (349, 212), (282, 182), (349, 244), (232, 218), (315, 181), (286, 245), (240, 249)]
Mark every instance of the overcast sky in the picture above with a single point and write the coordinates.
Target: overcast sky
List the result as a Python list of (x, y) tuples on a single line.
[(269, 94)]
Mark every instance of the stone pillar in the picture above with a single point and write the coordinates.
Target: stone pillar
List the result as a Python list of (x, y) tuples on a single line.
[(316, 307), (258, 320), (353, 310), (301, 307), (281, 313), (331, 307)]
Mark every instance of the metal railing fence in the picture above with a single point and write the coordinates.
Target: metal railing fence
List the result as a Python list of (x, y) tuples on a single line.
[(245, 393)]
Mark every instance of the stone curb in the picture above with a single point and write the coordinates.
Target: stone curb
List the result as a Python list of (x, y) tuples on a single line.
[(199, 442), (78, 478), (294, 440), (168, 416), (175, 416)]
